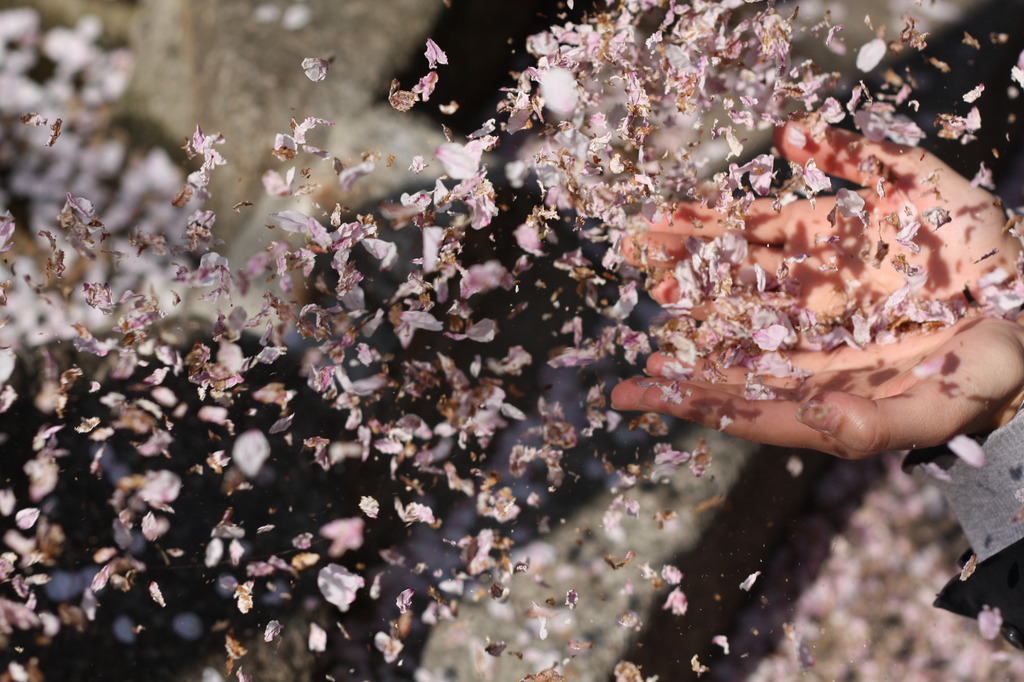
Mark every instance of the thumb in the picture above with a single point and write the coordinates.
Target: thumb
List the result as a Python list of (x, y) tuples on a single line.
[(820, 416), (860, 427)]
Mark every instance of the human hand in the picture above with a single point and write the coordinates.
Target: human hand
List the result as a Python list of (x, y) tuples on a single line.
[(862, 259), (921, 391)]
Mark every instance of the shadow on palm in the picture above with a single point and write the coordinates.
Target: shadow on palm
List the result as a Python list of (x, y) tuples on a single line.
[(917, 226), (915, 221)]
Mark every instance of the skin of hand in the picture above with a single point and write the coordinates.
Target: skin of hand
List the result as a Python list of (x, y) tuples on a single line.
[(844, 264), (919, 392)]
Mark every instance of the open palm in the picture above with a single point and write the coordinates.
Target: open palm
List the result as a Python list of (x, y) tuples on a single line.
[(923, 390), (856, 259)]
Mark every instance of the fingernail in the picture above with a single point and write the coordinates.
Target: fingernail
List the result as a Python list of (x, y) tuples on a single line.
[(644, 384), (644, 402), (824, 417)]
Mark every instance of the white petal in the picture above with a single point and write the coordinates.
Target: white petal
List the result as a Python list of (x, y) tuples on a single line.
[(870, 54), (558, 86), (250, 452), (459, 162), (771, 337), (967, 449)]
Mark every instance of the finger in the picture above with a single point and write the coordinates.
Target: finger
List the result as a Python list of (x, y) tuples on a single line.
[(667, 365), (763, 224), (665, 249), (732, 379), (655, 249), (841, 424), (820, 272), (838, 369), (922, 416), (722, 407), (846, 155)]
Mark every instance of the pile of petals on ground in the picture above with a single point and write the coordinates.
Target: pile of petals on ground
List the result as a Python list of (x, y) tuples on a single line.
[(868, 615)]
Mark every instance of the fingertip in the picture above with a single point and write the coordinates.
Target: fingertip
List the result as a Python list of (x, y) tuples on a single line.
[(620, 395), (666, 291), (628, 249), (821, 416), (855, 422), (650, 399), (637, 248), (656, 363), (629, 394)]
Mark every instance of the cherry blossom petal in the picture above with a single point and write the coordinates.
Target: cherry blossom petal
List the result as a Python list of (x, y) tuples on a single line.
[(315, 68), (435, 55), (404, 600), (459, 162), (317, 638), (338, 585), (558, 87), (850, 204), (272, 630), (294, 221), (388, 645), (344, 534), (871, 54), (990, 622), (6, 232), (770, 338), (26, 518), (815, 179), (967, 449), (160, 488), (250, 451)]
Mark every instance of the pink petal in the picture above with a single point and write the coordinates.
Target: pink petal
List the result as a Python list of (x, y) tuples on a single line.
[(483, 331), (404, 601), (315, 68), (347, 177), (251, 450), (435, 55), (815, 179), (317, 638), (294, 221), (161, 488), (558, 87), (850, 204), (770, 338), (870, 54), (967, 449), (459, 162), (272, 630), (338, 585), (6, 232), (990, 622), (387, 645), (26, 518), (344, 534)]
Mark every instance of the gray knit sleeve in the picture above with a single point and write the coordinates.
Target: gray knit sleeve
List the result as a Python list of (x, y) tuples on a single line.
[(986, 499)]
